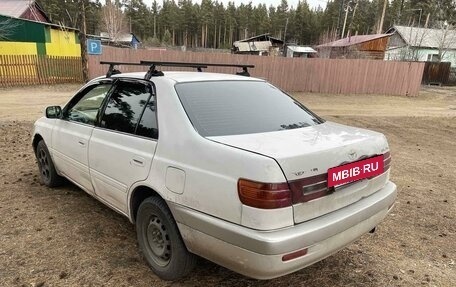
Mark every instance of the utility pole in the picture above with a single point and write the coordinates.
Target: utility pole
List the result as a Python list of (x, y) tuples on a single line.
[(131, 9), (83, 42), (155, 24), (353, 18), (285, 32), (427, 20), (421, 12), (400, 12), (345, 20), (340, 15), (380, 26)]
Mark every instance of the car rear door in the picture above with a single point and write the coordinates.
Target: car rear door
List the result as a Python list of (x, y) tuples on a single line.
[(71, 134), (123, 144)]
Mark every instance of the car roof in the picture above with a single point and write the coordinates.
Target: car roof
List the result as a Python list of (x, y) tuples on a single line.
[(182, 77)]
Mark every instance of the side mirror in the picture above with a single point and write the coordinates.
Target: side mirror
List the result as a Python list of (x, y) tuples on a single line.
[(53, 112)]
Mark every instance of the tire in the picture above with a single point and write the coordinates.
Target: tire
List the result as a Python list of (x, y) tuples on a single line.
[(46, 167), (160, 241)]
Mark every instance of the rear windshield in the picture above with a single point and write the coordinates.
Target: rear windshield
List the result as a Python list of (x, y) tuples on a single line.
[(221, 108)]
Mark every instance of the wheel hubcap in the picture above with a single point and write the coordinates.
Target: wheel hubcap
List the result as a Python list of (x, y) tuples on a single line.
[(44, 164), (158, 240)]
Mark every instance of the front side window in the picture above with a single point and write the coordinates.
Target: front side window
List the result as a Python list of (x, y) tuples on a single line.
[(125, 107), (221, 108), (86, 109)]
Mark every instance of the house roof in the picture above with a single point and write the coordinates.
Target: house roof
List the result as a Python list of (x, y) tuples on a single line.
[(263, 37), (54, 26), (252, 46), (301, 49), (426, 37), (353, 40), (16, 8), (122, 38)]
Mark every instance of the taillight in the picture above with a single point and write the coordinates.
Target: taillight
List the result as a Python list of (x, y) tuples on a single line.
[(310, 188), (264, 195), (386, 161)]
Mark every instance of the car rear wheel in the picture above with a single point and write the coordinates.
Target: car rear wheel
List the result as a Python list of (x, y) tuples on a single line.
[(46, 167), (160, 241)]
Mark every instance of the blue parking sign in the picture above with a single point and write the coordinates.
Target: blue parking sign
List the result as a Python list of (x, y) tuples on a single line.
[(94, 47)]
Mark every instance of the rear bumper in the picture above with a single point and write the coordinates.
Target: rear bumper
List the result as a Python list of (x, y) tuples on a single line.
[(258, 254)]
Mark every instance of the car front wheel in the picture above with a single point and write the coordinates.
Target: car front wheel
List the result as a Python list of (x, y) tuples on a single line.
[(160, 241), (46, 167)]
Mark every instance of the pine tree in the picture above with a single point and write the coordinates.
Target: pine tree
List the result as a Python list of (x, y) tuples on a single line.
[(214, 25)]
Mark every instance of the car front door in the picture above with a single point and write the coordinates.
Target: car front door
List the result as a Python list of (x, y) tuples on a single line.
[(71, 134), (123, 144)]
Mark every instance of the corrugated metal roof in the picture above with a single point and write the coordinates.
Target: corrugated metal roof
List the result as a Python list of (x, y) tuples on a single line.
[(301, 49), (14, 8), (124, 37), (261, 38), (252, 46), (353, 40), (426, 37)]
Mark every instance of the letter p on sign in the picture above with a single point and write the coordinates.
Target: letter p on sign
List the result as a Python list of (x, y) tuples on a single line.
[(94, 47)]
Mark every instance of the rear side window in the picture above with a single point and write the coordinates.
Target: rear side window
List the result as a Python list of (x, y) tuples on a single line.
[(147, 126), (125, 107), (222, 108)]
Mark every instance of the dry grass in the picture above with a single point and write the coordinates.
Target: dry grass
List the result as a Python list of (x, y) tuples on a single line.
[(63, 237)]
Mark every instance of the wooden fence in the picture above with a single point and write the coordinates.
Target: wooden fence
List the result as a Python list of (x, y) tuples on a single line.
[(18, 70), (436, 73), (335, 76)]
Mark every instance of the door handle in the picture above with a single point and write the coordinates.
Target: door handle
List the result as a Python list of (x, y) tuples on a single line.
[(139, 161), (81, 142)]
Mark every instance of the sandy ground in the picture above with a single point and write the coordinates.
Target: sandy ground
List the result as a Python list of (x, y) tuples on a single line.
[(63, 237)]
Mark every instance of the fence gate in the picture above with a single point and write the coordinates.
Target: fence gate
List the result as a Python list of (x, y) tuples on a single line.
[(436, 73)]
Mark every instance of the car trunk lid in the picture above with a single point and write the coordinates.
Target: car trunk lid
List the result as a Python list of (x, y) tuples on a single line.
[(306, 154)]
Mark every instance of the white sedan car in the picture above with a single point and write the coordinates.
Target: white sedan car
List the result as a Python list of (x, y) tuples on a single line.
[(226, 167)]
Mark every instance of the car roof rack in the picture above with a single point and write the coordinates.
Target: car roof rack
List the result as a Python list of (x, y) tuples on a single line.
[(153, 72), (199, 66)]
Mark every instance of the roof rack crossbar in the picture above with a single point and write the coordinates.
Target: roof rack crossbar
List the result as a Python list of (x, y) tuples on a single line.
[(231, 65), (174, 64), (154, 72), (200, 66), (203, 65)]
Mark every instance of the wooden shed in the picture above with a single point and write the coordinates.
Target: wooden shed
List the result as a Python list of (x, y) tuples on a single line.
[(356, 47), (263, 45)]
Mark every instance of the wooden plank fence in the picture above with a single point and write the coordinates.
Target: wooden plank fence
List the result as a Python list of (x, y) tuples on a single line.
[(334, 76), (21, 70), (436, 73)]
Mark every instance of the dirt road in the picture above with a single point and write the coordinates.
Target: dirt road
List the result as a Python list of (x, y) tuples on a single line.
[(63, 237)]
